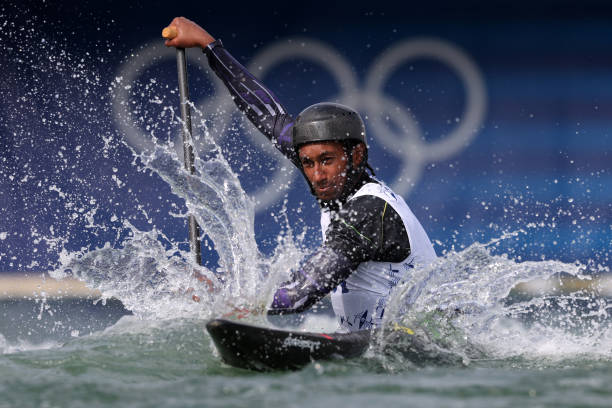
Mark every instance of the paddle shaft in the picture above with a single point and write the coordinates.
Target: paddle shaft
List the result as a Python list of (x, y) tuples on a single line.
[(194, 228)]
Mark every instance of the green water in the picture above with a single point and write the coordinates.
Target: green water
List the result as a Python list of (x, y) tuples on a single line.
[(173, 363)]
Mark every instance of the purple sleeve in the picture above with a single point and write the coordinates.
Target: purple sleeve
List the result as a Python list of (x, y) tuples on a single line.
[(321, 274), (257, 102)]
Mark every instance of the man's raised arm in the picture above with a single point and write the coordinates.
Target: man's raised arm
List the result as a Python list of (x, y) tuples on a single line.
[(256, 101)]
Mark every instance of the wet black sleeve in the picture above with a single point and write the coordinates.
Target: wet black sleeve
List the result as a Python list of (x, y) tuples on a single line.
[(366, 229), (256, 101), (311, 282)]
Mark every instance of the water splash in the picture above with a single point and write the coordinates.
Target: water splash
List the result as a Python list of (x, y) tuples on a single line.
[(465, 308), (458, 308), (155, 278)]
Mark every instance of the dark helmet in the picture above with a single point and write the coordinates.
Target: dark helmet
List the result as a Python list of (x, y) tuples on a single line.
[(328, 121), (333, 122)]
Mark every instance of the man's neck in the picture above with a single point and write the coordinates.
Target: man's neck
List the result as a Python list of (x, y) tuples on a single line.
[(337, 203)]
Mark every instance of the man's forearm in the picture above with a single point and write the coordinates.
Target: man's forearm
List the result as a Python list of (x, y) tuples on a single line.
[(321, 274), (256, 101)]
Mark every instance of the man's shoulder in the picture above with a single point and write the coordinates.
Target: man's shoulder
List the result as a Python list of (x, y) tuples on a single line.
[(361, 201), (377, 189), (364, 207)]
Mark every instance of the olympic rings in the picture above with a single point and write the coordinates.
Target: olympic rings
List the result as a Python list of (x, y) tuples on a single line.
[(408, 144)]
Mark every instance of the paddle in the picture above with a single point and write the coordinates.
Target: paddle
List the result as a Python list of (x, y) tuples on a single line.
[(194, 228), (170, 33)]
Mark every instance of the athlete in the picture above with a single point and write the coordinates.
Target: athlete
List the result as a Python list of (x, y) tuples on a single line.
[(371, 238)]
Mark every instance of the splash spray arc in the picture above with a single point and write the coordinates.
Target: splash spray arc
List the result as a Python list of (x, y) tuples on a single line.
[(181, 65)]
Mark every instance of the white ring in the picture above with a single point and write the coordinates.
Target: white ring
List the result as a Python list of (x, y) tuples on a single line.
[(128, 74), (476, 98)]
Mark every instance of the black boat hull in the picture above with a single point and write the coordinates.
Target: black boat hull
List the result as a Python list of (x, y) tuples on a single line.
[(265, 349)]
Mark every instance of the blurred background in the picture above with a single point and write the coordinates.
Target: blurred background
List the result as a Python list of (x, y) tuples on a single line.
[(492, 119)]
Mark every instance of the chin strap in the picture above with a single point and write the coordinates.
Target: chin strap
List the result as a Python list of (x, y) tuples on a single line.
[(370, 168)]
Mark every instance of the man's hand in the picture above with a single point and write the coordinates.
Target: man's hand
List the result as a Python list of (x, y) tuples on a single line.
[(186, 34), (205, 280), (240, 312)]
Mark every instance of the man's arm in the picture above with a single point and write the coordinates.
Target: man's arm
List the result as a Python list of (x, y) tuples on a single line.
[(321, 273), (257, 102), (366, 229)]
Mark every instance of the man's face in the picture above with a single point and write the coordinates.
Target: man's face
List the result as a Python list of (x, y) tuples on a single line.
[(324, 164)]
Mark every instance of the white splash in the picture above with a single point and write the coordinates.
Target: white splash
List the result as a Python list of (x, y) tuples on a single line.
[(462, 309), (154, 278)]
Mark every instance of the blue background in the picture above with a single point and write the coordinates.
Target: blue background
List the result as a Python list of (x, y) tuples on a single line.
[(539, 164)]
